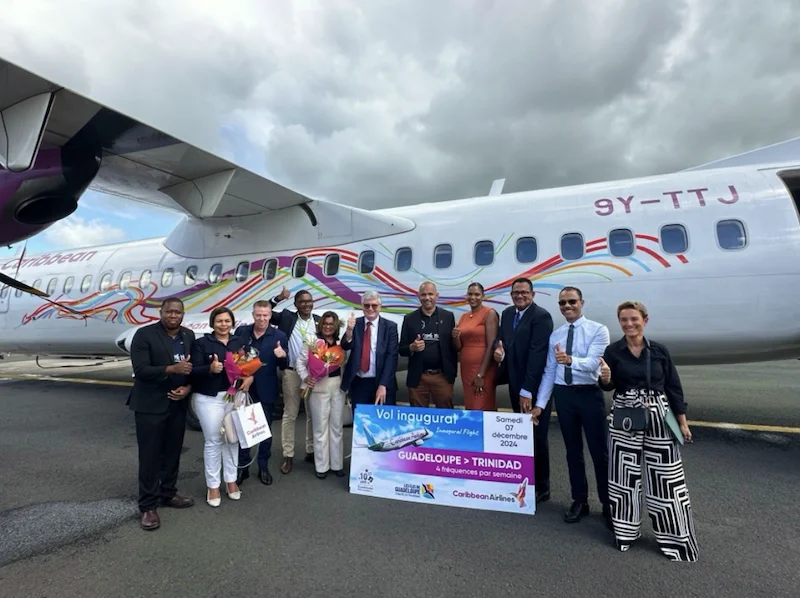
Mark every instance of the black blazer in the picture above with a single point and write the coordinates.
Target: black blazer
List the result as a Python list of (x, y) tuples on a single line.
[(203, 351), (285, 321), (525, 348), (265, 381), (412, 326), (151, 353), (385, 355)]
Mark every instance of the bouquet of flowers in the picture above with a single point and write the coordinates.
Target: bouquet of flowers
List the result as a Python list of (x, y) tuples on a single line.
[(240, 365), (322, 360)]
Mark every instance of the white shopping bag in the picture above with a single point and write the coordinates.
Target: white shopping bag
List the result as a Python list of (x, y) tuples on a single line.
[(251, 424)]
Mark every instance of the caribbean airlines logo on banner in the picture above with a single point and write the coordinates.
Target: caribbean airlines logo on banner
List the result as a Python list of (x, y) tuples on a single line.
[(471, 459)]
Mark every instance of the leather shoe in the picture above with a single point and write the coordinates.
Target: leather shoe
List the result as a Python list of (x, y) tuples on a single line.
[(265, 476), (242, 476), (339, 473), (286, 466), (150, 520), (309, 457), (542, 496), (577, 511), (178, 502)]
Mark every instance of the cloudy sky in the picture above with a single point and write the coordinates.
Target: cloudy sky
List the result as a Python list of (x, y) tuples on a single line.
[(387, 103)]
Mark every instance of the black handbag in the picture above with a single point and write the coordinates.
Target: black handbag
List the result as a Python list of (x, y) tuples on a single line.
[(633, 419)]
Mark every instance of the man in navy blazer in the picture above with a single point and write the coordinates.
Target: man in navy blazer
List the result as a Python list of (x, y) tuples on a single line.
[(369, 374), (272, 346)]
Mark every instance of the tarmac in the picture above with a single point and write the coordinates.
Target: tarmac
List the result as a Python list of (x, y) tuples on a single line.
[(69, 524)]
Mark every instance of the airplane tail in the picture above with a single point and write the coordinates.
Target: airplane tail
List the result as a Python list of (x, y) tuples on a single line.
[(370, 438), (784, 151)]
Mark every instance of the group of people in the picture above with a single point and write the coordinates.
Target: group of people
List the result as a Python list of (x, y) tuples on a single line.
[(568, 367)]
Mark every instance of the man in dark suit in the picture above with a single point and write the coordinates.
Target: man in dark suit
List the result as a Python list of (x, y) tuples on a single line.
[(159, 399), (369, 374), (271, 345), (427, 340), (297, 326), (521, 351)]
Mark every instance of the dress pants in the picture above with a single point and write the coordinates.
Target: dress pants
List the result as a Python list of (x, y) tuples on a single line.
[(211, 411), (362, 391), (160, 440), (432, 387), (291, 407), (327, 402), (541, 447), (582, 409)]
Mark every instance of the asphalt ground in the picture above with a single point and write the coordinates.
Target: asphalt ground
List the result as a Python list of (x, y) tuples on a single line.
[(69, 525)]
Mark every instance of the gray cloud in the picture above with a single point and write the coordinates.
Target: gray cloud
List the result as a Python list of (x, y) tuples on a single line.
[(393, 103)]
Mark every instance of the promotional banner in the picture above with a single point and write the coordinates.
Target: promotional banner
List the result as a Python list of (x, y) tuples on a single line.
[(471, 459)]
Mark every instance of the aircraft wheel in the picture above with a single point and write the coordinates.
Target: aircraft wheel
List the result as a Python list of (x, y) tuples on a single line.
[(191, 419)]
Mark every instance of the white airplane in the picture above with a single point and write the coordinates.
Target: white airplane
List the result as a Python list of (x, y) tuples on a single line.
[(711, 250), (414, 437)]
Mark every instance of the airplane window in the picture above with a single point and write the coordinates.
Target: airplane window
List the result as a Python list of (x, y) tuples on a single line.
[(270, 269), (299, 265), (166, 277), (572, 246), (242, 271), (191, 276), (51, 286), (68, 284), (402, 259), (484, 253), (125, 280), (443, 256), (105, 282), (620, 242), (86, 283), (331, 266), (527, 250), (731, 234), (4, 293), (215, 273), (673, 238), (37, 284), (145, 278), (366, 262)]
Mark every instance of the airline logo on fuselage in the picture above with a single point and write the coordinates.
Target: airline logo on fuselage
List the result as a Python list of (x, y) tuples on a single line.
[(48, 259)]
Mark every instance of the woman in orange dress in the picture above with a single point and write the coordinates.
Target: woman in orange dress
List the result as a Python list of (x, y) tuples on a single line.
[(473, 337)]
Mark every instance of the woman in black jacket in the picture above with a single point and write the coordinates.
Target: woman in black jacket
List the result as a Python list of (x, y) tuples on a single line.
[(210, 383), (643, 447)]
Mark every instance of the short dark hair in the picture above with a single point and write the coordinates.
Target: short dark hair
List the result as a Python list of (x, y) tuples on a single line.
[(337, 324), (576, 289), (169, 300), (476, 284), (299, 294), (221, 310), (523, 280)]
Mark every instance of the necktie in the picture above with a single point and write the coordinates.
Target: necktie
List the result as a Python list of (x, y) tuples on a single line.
[(516, 320), (365, 348), (568, 370)]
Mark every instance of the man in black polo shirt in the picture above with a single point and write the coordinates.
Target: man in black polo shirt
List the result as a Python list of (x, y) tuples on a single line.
[(427, 340)]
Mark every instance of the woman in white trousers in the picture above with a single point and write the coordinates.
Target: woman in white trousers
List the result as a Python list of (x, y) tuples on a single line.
[(210, 383), (326, 404)]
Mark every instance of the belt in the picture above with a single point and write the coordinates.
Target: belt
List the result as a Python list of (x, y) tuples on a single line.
[(579, 386), (431, 371)]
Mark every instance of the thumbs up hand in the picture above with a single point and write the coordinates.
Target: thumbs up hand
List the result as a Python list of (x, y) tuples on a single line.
[(418, 344), (499, 352), (279, 352), (184, 367), (605, 371), (561, 357), (284, 294), (351, 322), (216, 365)]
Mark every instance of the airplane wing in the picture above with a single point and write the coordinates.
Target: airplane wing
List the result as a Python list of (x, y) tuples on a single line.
[(784, 151), (41, 119)]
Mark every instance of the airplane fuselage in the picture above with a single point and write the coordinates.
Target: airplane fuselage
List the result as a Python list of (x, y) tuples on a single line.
[(713, 254), (415, 437)]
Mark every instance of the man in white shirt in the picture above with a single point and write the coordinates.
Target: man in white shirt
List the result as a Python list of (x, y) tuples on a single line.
[(571, 374)]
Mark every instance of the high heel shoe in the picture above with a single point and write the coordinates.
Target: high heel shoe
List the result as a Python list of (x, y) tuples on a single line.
[(233, 495), (214, 502)]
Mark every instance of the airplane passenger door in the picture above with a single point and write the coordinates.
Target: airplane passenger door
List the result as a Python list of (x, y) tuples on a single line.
[(5, 297)]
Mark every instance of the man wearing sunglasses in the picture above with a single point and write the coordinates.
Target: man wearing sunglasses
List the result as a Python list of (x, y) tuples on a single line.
[(571, 375), (370, 372)]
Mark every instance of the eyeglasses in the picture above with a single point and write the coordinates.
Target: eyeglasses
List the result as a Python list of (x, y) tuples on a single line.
[(372, 305), (563, 302)]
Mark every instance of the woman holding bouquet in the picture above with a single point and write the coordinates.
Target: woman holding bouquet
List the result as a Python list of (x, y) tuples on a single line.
[(326, 398), (210, 385)]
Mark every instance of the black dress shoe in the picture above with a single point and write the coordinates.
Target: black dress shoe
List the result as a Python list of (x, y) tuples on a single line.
[(542, 496), (309, 457), (242, 476), (265, 476), (339, 473), (576, 512), (322, 475)]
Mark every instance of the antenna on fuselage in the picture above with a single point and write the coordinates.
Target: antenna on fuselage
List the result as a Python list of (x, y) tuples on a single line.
[(497, 187)]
